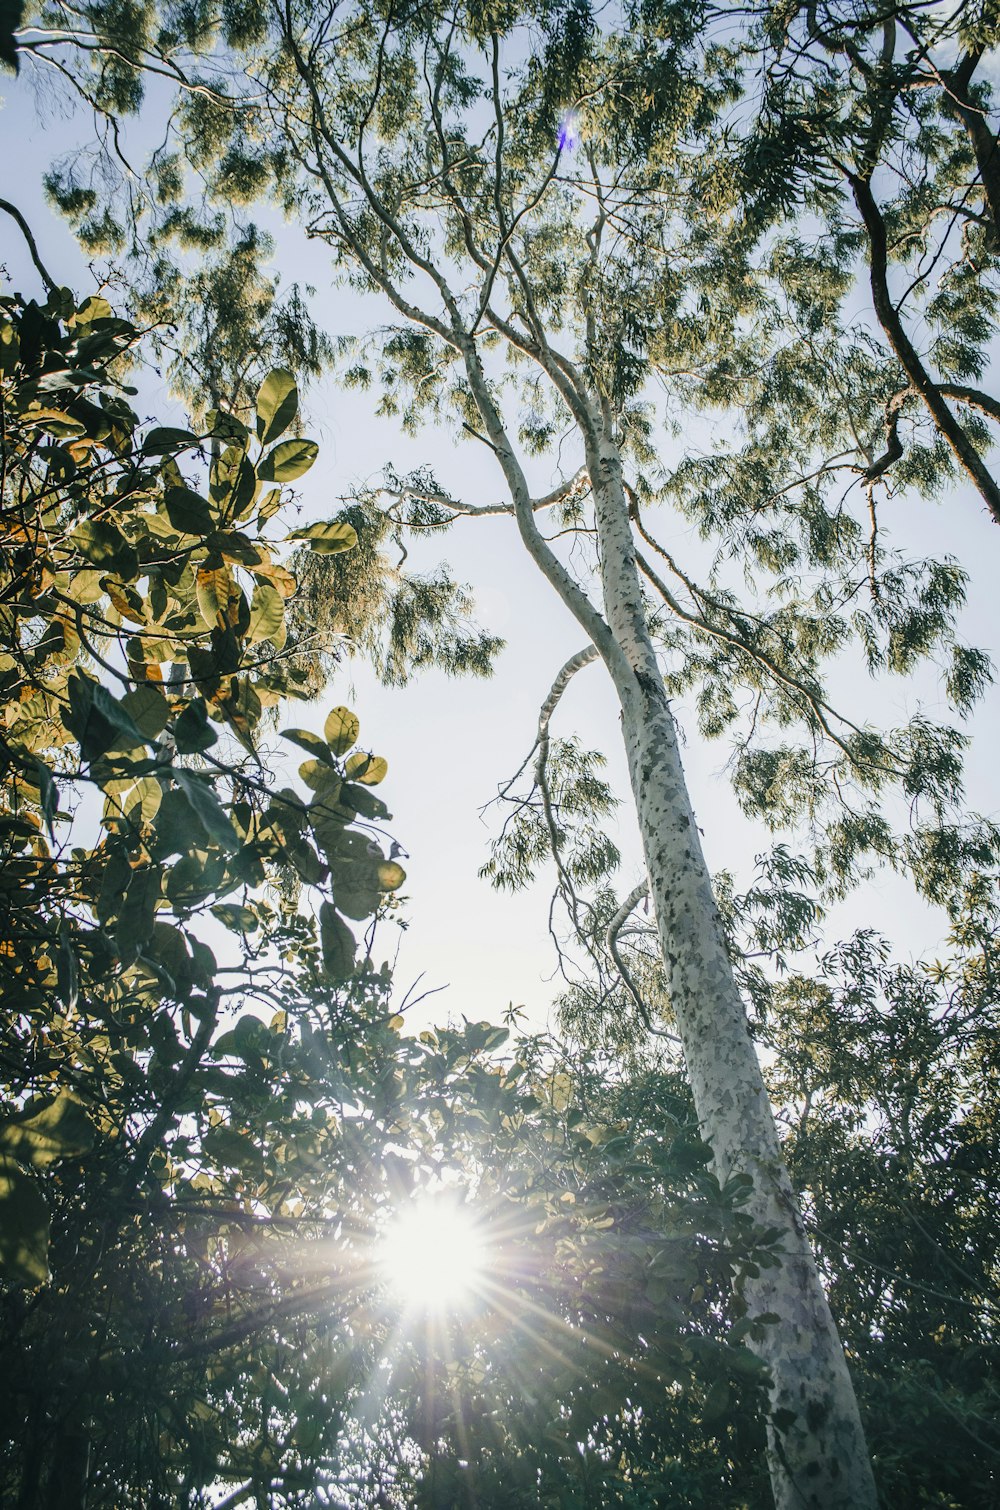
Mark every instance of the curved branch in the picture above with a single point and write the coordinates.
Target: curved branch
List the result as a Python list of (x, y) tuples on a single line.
[(615, 927), (15, 214), (921, 380)]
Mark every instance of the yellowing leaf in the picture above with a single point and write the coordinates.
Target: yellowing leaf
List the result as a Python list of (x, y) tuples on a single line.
[(218, 596), (369, 769), (341, 730), (267, 615)]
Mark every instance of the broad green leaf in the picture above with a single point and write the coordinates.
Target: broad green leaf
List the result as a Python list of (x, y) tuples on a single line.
[(192, 730), (306, 740), (368, 769), (236, 919), (138, 911), (218, 595), (220, 424), (95, 307), (98, 721), (327, 539), (166, 438), (188, 512), (277, 405), (105, 546), (201, 795), (233, 482), (148, 709), (167, 952), (24, 1228), (230, 1148), (337, 942), (269, 506), (341, 730), (358, 799), (141, 802), (55, 422), (306, 862), (288, 461), (354, 898), (321, 777), (57, 1129)]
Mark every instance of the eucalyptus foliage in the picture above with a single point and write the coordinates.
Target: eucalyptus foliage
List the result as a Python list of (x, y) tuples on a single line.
[(565, 212)]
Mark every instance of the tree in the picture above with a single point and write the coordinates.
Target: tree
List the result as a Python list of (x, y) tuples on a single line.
[(114, 1113), (190, 1297), (442, 178)]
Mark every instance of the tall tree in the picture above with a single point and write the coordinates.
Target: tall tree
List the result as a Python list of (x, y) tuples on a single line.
[(519, 185)]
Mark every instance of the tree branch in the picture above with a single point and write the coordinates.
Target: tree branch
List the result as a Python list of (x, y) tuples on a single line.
[(921, 380)]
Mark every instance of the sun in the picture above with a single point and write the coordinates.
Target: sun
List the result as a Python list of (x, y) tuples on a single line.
[(433, 1254)]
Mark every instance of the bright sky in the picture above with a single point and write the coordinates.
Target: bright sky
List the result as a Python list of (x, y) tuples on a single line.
[(450, 743)]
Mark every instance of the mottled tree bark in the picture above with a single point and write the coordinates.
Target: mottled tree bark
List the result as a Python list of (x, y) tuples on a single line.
[(816, 1446)]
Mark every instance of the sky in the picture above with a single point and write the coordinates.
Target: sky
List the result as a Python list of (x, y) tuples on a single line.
[(449, 744)]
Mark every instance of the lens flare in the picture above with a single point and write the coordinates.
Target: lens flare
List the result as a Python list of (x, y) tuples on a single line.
[(433, 1255), (569, 132)]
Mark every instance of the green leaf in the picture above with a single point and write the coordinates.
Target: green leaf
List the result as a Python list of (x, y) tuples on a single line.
[(138, 911), (306, 740), (24, 1228), (337, 943), (211, 814), (230, 1148), (94, 307), (106, 547), (192, 731), (359, 799), (288, 461), (166, 438), (99, 723), (236, 919), (220, 424), (54, 422), (322, 778), (148, 709), (390, 876), (354, 898), (188, 512), (215, 590), (341, 730), (48, 795), (327, 539), (277, 405), (42, 1134), (233, 483)]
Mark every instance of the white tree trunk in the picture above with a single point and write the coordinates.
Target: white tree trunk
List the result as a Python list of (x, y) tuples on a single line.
[(819, 1461)]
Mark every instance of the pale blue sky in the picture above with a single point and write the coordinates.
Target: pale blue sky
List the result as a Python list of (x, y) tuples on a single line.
[(449, 743)]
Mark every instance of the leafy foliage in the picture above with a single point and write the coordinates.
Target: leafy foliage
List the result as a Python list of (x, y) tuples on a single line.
[(115, 566)]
